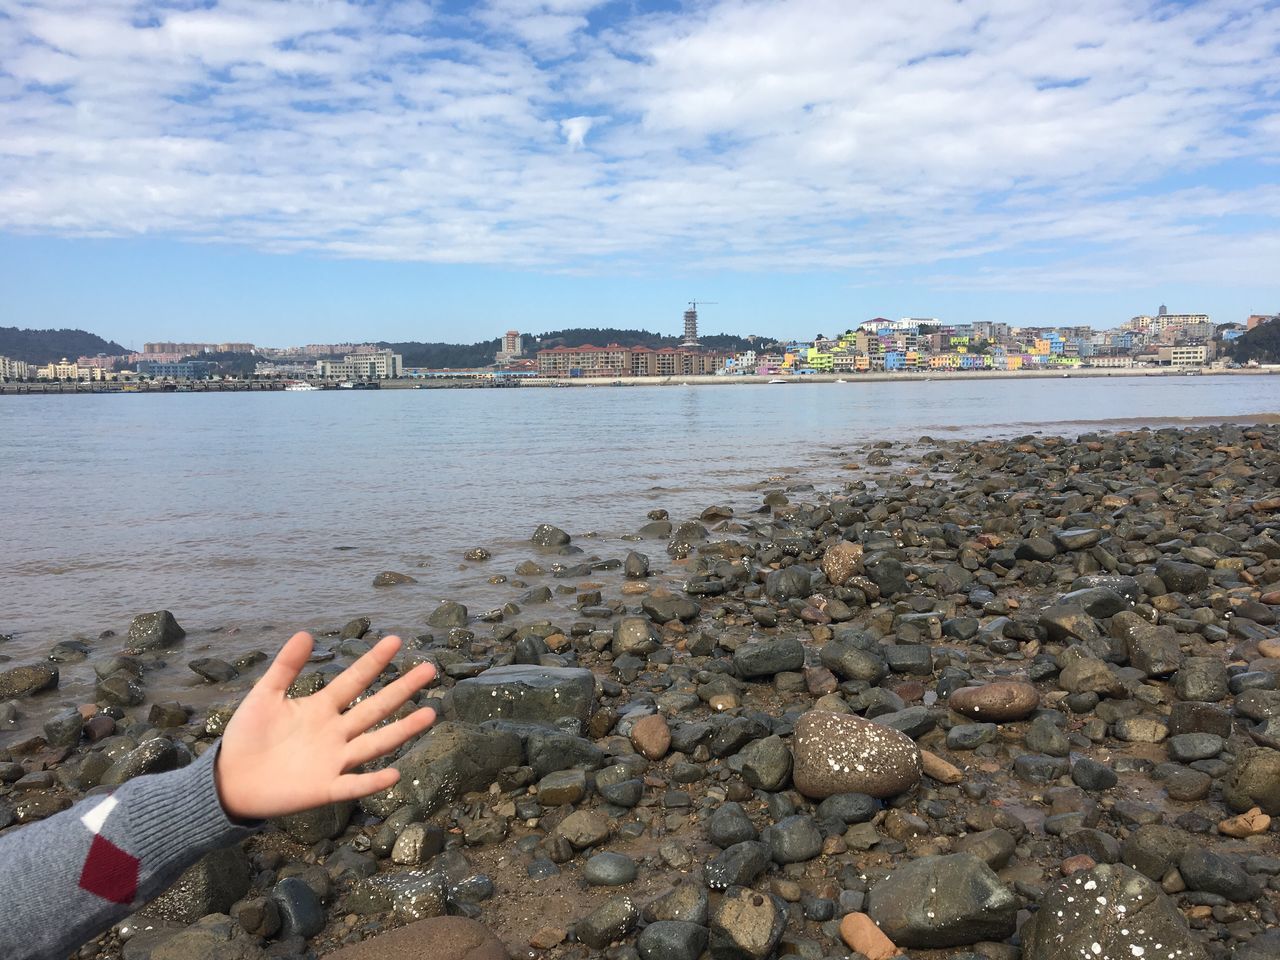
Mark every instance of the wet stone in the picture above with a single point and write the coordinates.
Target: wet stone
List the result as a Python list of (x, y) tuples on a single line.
[(609, 870)]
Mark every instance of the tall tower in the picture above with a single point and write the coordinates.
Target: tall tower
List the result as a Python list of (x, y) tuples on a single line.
[(690, 327)]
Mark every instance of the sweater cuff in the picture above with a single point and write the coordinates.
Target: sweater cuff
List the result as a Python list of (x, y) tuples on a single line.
[(179, 812)]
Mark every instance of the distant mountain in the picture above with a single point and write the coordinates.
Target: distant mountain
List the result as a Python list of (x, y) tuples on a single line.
[(46, 346), (1262, 343)]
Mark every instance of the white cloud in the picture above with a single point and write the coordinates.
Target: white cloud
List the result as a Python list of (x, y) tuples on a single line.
[(747, 134)]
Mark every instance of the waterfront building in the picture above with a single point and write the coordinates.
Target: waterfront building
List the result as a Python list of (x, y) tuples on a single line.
[(64, 369), (13, 369), (183, 370), (511, 348), (379, 365), (1187, 356), (1114, 362)]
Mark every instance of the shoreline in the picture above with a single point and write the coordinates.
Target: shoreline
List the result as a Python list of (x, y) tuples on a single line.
[(1113, 578), (444, 383)]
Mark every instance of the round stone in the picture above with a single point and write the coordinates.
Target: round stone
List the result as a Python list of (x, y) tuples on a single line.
[(999, 702), (838, 753), (609, 870)]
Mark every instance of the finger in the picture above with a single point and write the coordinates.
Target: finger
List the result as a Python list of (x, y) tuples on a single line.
[(353, 786), (356, 678), (388, 700), (375, 743), (287, 664)]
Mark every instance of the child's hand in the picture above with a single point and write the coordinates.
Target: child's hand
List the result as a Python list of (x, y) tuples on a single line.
[(282, 756)]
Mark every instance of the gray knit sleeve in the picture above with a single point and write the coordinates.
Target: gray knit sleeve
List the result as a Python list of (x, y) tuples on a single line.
[(66, 879)]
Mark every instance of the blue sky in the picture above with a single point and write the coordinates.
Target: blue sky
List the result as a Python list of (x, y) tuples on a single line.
[(289, 172)]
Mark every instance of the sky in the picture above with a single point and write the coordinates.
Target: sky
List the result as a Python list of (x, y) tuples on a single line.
[(293, 171)]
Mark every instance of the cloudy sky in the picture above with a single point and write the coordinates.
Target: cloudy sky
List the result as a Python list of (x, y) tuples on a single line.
[(315, 170)]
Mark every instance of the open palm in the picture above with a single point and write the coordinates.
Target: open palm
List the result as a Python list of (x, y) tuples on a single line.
[(281, 755)]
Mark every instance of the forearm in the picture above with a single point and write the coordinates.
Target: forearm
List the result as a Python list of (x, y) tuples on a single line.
[(66, 879)]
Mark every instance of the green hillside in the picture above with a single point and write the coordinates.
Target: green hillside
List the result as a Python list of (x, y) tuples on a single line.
[(47, 346)]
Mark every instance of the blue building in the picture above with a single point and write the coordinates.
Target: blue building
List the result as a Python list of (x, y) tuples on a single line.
[(186, 370)]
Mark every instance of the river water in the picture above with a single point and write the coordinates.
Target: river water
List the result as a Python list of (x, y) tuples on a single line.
[(279, 508)]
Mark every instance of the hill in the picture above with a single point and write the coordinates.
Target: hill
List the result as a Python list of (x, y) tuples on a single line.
[(47, 346), (457, 356), (1262, 343)]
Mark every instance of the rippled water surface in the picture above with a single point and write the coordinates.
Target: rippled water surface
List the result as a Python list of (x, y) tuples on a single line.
[(280, 508)]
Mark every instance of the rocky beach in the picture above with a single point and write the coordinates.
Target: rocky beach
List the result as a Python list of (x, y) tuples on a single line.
[(1013, 698)]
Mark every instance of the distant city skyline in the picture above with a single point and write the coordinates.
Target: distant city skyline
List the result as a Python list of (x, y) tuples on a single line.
[(344, 171)]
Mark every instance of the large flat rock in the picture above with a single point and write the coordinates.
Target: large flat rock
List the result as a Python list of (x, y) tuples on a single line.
[(530, 694)]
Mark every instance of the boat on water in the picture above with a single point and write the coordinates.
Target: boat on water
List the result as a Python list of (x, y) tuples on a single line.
[(842, 380), (297, 386), (777, 380)]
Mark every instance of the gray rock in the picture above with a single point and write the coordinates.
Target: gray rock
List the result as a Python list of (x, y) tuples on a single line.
[(24, 681), (1189, 747), (153, 631), (849, 808), (854, 660), (1091, 914), (214, 670), (1152, 649), (1179, 577), (793, 582), (549, 537), (738, 865), (447, 616), (390, 578), (1201, 679), (215, 937), (687, 902), (119, 690), (211, 885), (667, 609), (764, 764), (449, 760), (634, 636), (1153, 848), (635, 566), (672, 940), (301, 913), (1210, 872), (610, 921), (609, 870), (1044, 736), (1036, 548), (970, 736), (152, 756), (321, 823), (1254, 780), (529, 694), (943, 901), (746, 925), (729, 824), (64, 729), (764, 658), (1089, 774), (793, 839)]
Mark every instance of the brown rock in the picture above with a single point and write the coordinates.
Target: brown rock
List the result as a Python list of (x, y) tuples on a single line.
[(634, 589), (436, 938), (651, 736), (820, 681), (859, 932), (1270, 646), (838, 753), (937, 768), (841, 561), (547, 937), (1081, 861), (1248, 824), (997, 702)]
